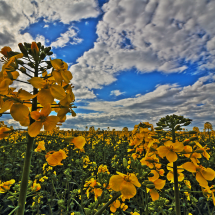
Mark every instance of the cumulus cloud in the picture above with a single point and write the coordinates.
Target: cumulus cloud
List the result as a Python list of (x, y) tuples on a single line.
[(116, 93), (194, 101), (18, 15), (70, 35), (149, 36)]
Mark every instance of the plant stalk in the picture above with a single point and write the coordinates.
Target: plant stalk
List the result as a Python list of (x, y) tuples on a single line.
[(28, 155)]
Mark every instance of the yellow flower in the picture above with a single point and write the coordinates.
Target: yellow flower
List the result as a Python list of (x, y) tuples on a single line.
[(5, 50), (79, 142), (124, 207), (54, 158), (169, 150), (202, 174), (125, 184), (159, 184), (5, 186), (2, 134), (170, 175), (60, 72), (36, 186), (114, 206), (40, 146), (42, 118)]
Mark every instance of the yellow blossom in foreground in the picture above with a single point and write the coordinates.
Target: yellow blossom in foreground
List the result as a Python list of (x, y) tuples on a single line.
[(5, 50), (42, 118), (2, 134), (125, 184), (170, 175), (169, 150), (159, 184), (79, 142), (54, 158), (202, 174)]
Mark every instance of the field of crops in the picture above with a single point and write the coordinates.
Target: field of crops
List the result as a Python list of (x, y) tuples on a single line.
[(90, 168), (149, 170)]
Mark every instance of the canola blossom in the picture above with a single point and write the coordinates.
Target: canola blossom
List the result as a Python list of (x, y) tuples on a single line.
[(125, 184)]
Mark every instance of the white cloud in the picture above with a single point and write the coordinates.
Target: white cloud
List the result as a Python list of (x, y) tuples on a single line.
[(160, 35), (116, 92), (165, 99), (66, 37), (18, 15)]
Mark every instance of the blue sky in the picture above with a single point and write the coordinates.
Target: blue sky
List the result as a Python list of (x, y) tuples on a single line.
[(132, 61)]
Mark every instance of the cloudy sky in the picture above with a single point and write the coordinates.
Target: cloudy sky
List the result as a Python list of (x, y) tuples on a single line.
[(132, 61)]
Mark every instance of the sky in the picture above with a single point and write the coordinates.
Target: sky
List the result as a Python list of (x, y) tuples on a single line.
[(131, 61)]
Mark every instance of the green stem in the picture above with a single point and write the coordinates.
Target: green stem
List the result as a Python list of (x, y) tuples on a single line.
[(13, 210), (28, 155), (175, 174), (146, 199), (25, 176)]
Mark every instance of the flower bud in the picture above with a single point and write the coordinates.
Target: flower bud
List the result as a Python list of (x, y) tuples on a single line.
[(199, 151), (23, 49), (42, 56), (150, 186), (125, 162)]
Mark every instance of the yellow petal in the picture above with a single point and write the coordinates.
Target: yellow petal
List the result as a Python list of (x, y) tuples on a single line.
[(63, 153), (155, 177), (127, 189), (6, 106), (46, 110), (171, 156), (57, 76), (189, 166), (154, 194), (79, 142), (24, 95), (35, 115), (201, 180), (57, 92), (62, 112), (37, 82), (19, 112), (115, 182), (34, 129), (159, 184), (45, 97), (57, 64), (67, 75), (208, 174), (116, 204), (162, 151), (178, 146), (133, 179), (170, 176), (54, 159), (51, 122)]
